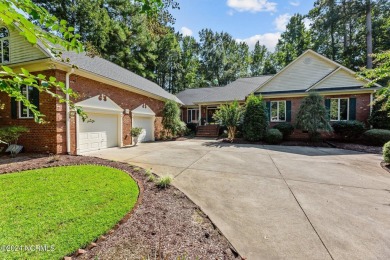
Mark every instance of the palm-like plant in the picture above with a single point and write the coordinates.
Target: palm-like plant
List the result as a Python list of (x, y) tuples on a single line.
[(230, 115)]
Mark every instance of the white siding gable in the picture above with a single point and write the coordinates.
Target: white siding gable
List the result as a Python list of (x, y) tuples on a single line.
[(301, 74), (339, 79), (21, 50)]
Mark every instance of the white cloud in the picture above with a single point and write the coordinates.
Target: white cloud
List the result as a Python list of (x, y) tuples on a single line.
[(268, 39), (253, 6), (295, 3), (281, 21), (186, 31), (307, 23)]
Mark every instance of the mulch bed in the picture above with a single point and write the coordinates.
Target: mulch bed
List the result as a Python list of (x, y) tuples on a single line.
[(166, 225), (356, 147)]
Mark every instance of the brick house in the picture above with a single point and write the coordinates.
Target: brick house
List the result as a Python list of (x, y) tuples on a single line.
[(346, 96), (113, 97)]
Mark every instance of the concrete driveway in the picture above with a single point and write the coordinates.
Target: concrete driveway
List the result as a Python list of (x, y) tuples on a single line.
[(275, 202)]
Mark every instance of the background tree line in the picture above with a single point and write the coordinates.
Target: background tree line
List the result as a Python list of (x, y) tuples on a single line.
[(344, 30)]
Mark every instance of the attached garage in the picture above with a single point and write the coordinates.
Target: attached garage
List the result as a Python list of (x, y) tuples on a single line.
[(100, 134), (144, 117), (104, 125)]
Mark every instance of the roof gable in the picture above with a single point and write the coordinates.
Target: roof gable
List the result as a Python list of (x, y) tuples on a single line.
[(339, 79), (21, 50), (301, 74), (99, 103)]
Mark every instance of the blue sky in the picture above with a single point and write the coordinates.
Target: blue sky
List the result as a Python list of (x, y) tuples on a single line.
[(247, 20)]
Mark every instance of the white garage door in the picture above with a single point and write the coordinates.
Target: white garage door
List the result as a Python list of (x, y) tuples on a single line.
[(102, 133), (147, 124)]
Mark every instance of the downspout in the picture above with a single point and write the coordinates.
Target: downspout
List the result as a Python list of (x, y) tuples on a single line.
[(67, 84)]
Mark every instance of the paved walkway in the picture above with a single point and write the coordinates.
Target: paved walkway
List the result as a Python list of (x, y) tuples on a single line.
[(275, 202)]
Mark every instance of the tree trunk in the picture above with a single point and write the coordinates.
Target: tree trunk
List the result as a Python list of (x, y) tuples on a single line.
[(369, 34)]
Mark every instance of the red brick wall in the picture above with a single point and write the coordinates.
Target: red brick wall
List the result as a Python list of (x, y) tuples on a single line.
[(51, 136), (87, 88), (41, 137)]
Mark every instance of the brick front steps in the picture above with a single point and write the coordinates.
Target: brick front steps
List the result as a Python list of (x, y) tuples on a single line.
[(207, 131)]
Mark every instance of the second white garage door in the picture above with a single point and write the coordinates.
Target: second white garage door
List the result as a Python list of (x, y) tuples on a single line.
[(102, 133), (147, 124)]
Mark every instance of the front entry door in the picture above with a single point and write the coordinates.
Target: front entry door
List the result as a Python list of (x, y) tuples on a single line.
[(210, 113)]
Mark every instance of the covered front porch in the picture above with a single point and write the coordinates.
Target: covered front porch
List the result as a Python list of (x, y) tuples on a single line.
[(202, 116)]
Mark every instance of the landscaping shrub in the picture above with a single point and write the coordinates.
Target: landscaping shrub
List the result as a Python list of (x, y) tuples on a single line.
[(386, 152), (171, 118), (11, 134), (192, 127), (349, 129), (255, 119), (274, 136), (377, 136), (312, 116), (379, 117), (285, 128)]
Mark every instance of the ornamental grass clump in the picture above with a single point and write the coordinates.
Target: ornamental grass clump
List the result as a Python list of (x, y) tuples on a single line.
[(164, 181)]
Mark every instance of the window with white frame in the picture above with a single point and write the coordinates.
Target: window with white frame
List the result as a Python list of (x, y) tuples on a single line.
[(24, 112), (339, 109), (4, 45), (278, 111), (192, 115)]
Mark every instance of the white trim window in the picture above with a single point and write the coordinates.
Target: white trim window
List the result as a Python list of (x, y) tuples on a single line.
[(24, 112), (339, 109), (4, 45), (192, 115), (278, 111)]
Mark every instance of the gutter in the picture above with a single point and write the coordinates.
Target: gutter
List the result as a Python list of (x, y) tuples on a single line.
[(67, 83)]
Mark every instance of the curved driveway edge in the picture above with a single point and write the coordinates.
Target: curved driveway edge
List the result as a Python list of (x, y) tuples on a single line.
[(279, 202)]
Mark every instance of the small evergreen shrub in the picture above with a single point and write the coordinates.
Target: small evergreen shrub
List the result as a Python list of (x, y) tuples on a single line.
[(285, 128), (349, 129), (386, 152), (274, 136), (377, 136), (379, 117), (192, 127)]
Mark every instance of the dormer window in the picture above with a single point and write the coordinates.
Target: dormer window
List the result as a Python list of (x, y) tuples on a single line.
[(4, 45)]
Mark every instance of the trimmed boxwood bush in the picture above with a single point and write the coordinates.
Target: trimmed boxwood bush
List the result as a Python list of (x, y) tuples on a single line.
[(192, 127), (274, 136), (255, 119), (285, 128), (377, 136), (386, 152), (349, 129)]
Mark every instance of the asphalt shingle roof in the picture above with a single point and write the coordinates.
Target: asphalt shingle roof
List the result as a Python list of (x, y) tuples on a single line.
[(237, 90), (112, 71)]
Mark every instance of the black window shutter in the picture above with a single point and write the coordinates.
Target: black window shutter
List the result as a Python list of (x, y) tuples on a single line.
[(14, 108), (268, 105), (352, 109), (35, 97), (288, 111), (327, 106)]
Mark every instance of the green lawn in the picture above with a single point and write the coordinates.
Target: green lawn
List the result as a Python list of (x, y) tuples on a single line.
[(61, 207)]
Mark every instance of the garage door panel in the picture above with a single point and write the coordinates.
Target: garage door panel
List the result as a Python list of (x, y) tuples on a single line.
[(147, 124), (99, 134)]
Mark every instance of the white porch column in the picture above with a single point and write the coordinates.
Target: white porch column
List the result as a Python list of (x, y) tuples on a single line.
[(200, 115)]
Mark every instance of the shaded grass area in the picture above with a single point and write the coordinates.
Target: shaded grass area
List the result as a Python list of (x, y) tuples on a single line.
[(62, 208)]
